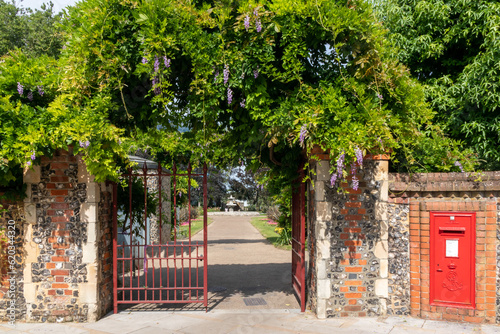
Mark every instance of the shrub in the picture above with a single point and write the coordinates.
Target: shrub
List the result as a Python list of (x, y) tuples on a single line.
[(183, 214), (273, 213)]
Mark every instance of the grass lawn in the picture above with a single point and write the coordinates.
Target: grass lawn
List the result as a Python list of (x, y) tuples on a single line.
[(267, 231), (213, 210), (196, 226)]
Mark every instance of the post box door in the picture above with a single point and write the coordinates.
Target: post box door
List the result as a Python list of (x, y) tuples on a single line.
[(452, 259)]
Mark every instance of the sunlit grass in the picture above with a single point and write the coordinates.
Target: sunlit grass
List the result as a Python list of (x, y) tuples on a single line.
[(267, 231), (196, 226)]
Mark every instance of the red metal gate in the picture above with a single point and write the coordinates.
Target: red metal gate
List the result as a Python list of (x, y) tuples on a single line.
[(156, 259), (299, 238)]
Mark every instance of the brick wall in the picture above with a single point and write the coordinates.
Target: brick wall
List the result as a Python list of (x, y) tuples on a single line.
[(451, 192), (12, 214), (349, 226), (67, 242)]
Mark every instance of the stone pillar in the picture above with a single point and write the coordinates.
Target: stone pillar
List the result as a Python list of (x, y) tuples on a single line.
[(321, 255), (65, 251), (380, 184), (349, 254)]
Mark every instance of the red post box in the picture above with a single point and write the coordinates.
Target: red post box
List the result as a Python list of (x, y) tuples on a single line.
[(452, 259)]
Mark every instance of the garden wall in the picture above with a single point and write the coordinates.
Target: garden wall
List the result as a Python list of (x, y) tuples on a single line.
[(67, 234), (412, 199), (348, 242), (12, 302), (370, 248)]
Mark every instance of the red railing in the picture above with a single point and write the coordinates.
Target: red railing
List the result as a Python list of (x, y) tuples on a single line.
[(168, 267)]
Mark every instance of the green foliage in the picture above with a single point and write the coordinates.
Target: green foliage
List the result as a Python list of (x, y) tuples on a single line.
[(285, 236), (132, 204), (152, 75), (37, 32), (453, 48), (35, 126)]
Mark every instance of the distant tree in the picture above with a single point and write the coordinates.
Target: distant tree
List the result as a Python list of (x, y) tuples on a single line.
[(453, 48), (250, 186), (217, 188), (243, 184), (36, 32)]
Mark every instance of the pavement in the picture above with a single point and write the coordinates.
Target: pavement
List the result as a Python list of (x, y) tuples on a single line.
[(256, 321), (243, 268)]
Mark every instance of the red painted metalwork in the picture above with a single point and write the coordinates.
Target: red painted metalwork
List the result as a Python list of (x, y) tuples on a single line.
[(452, 259), (150, 269), (299, 238)]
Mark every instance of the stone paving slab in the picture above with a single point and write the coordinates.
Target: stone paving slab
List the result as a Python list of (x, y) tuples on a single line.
[(249, 322)]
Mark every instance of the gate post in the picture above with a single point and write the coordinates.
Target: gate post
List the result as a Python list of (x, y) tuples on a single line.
[(348, 241), (68, 262)]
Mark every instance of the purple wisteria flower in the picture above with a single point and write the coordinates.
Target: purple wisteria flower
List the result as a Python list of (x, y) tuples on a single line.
[(20, 88), (28, 163), (333, 179), (180, 194), (242, 103), (258, 25), (256, 72), (144, 60), (82, 145), (33, 155), (166, 61), (255, 12), (216, 75), (355, 183), (229, 96), (155, 82), (40, 90), (87, 143), (359, 156), (157, 64), (30, 96), (340, 165), (226, 74), (247, 22), (380, 96), (459, 165), (302, 136)]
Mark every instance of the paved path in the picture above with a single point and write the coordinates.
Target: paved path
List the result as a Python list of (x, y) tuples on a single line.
[(249, 322), (244, 263)]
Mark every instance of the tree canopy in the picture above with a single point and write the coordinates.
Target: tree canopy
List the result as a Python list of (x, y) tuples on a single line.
[(453, 48), (37, 32), (220, 82)]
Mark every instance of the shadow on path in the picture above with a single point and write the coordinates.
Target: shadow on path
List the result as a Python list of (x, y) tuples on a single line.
[(244, 272)]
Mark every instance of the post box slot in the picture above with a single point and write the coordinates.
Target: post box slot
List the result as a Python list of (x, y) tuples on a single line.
[(452, 230)]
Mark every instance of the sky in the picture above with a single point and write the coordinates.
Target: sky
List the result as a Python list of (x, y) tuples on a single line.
[(58, 4)]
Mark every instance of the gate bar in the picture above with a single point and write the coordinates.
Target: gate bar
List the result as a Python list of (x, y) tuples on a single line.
[(115, 244), (205, 246)]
